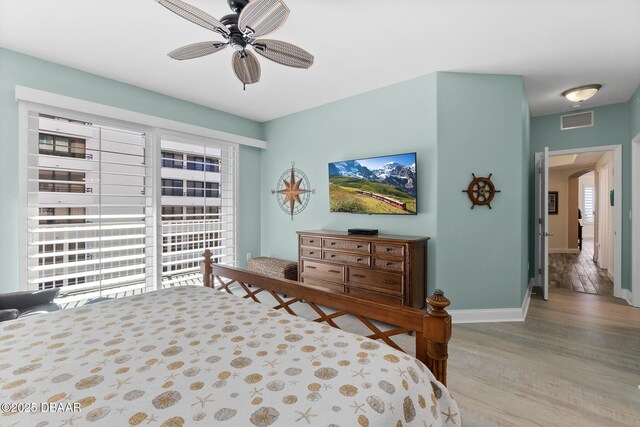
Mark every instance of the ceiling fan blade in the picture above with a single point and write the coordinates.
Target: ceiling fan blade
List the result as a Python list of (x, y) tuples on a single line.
[(261, 17), (196, 50), (284, 53), (247, 67), (195, 15)]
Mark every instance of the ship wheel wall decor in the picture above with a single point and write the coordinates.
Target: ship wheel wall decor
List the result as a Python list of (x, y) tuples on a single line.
[(293, 191), (481, 191)]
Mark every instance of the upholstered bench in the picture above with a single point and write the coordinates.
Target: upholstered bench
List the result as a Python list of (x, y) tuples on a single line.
[(274, 267)]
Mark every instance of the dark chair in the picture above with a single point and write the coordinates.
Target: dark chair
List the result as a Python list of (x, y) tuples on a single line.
[(27, 303)]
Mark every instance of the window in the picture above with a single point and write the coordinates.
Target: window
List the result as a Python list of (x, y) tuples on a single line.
[(89, 221), (213, 189), (205, 219), (172, 213), (56, 145), (57, 181), (195, 189), (171, 160), (195, 163), (92, 200), (213, 165), (172, 187), (62, 215), (588, 205)]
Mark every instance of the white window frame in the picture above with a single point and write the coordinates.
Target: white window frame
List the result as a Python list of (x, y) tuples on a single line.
[(36, 101)]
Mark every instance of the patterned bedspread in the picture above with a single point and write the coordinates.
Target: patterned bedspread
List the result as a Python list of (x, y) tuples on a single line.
[(196, 356)]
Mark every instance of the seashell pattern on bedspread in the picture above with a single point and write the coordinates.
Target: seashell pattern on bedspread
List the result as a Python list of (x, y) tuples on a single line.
[(197, 356)]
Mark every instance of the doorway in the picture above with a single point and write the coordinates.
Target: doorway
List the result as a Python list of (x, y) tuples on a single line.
[(579, 223)]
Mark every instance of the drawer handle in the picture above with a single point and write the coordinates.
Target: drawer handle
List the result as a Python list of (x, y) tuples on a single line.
[(359, 246), (389, 282), (359, 276), (388, 249), (388, 263), (311, 253), (358, 259), (332, 243), (311, 241), (333, 255), (311, 267), (334, 271)]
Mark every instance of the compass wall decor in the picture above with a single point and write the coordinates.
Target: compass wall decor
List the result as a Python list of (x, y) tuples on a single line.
[(293, 191)]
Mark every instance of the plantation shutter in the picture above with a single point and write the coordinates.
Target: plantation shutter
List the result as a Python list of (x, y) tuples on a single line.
[(198, 205), (90, 211), (588, 205)]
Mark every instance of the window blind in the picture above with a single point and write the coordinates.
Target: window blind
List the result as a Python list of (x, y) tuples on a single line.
[(90, 207), (198, 205), (588, 205)]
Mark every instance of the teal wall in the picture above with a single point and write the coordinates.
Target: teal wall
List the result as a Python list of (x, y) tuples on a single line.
[(395, 119), (634, 113), (457, 124), (528, 187), (612, 126), (481, 129), (19, 69)]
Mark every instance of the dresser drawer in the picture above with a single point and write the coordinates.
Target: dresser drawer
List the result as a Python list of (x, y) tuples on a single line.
[(347, 245), (388, 249), (334, 273), (374, 296), (311, 252), (322, 284), (347, 258), (371, 279), (388, 264), (310, 241)]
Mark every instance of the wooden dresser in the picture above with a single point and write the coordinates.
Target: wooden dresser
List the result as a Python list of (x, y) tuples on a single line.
[(388, 269)]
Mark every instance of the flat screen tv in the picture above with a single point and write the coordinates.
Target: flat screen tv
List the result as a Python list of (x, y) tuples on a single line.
[(375, 185)]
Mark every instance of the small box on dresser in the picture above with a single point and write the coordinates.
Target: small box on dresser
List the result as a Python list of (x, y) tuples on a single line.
[(383, 268)]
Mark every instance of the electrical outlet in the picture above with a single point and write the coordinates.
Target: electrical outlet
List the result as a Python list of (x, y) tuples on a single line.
[(248, 256)]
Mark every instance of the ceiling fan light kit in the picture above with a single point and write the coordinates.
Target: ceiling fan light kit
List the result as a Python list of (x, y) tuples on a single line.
[(581, 93), (251, 19)]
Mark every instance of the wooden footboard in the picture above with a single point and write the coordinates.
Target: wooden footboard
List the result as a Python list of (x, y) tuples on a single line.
[(432, 327)]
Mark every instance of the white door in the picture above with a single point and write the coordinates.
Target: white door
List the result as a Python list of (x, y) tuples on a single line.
[(542, 221), (604, 247)]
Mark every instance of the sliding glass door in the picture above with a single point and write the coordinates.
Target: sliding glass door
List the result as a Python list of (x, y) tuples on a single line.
[(90, 208)]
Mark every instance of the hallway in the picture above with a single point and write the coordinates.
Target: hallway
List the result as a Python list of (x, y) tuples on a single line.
[(578, 272)]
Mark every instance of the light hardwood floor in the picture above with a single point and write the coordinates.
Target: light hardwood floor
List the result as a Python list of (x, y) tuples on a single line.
[(575, 361), (578, 272)]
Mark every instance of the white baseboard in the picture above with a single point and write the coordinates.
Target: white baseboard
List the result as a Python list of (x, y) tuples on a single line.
[(627, 296), (488, 315), (564, 251), (610, 276)]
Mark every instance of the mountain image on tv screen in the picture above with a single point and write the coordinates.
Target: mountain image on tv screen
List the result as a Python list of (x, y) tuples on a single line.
[(377, 185)]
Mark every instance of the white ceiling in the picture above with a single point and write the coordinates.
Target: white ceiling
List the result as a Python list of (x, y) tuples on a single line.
[(359, 45), (575, 161)]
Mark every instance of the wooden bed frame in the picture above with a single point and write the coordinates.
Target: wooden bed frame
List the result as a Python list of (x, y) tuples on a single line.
[(432, 327)]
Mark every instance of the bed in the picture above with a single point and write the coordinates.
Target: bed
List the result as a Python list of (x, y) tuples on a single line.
[(200, 355)]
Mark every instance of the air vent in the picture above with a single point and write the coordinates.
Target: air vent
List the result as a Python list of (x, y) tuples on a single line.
[(575, 121)]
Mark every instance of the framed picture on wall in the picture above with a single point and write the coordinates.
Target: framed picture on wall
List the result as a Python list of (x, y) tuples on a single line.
[(553, 203)]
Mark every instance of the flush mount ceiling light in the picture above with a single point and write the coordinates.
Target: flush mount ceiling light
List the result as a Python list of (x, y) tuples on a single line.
[(240, 30), (581, 93)]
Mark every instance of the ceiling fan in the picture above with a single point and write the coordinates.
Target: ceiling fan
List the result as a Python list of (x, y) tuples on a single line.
[(252, 19)]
